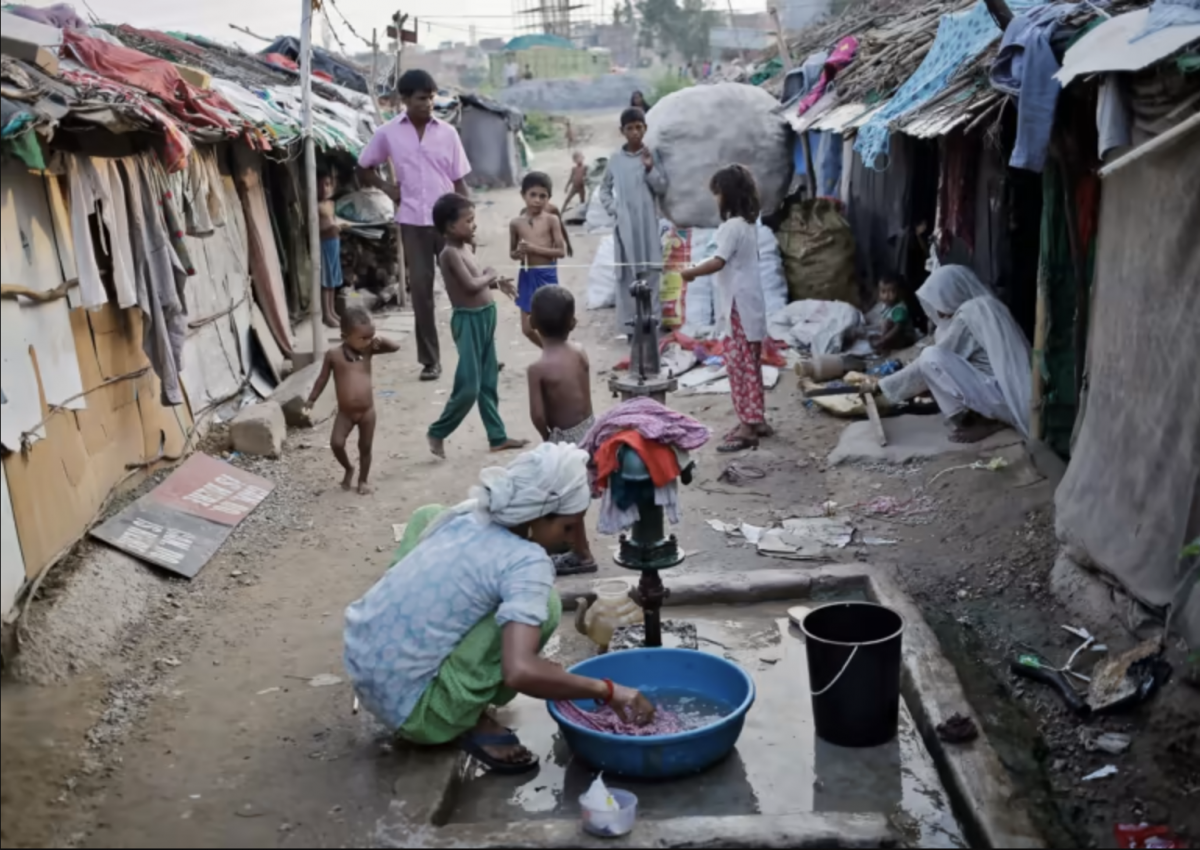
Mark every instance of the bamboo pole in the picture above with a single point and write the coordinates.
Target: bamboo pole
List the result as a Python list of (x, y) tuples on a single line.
[(310, 176)]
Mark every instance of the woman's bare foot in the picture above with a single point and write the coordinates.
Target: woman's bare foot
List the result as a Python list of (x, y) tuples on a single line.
[(348, 481), (438, 447), (975, 431), (510, 445)]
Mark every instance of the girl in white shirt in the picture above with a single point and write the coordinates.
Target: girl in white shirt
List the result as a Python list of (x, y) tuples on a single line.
[(741, 310)]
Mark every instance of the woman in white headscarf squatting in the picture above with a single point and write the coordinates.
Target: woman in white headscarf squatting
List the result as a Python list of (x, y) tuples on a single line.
[(978, 368), (457, 625)]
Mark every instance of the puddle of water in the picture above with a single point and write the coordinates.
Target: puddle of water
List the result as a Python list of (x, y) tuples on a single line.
[(779, 766)]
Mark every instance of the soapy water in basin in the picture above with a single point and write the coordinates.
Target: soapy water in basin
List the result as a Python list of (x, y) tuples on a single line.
[(677, 711)]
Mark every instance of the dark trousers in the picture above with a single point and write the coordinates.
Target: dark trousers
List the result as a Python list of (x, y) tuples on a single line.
[(421, 247)]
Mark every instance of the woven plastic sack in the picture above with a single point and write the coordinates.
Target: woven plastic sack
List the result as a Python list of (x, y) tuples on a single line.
[(817, 246)]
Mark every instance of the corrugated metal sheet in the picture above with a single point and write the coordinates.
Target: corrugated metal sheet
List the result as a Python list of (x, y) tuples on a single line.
[(1107, 47), (841, 118)]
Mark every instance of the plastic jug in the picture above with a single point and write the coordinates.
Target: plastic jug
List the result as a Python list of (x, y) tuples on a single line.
[(612, 609)]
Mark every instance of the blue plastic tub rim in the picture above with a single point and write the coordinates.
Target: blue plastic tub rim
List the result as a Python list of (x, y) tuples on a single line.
[(736, 716)]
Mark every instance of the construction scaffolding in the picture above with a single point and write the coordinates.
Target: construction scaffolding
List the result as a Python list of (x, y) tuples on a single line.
[(554, 17)]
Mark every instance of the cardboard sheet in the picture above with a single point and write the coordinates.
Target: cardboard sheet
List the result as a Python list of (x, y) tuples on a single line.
[(12, 564), (182, 523)]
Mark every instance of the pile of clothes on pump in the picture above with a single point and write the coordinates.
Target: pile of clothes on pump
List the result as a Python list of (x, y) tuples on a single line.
[(661, 437)]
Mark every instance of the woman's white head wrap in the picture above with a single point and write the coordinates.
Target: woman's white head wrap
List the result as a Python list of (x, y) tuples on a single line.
[(550, 480), (947, 289)]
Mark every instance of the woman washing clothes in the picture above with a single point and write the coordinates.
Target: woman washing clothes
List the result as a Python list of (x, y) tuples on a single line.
[(977, 368), (457, 625)]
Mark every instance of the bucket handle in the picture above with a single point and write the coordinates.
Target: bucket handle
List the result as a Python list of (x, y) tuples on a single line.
[(838, 677)]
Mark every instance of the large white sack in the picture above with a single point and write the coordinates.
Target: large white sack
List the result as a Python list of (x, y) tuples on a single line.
[(699, 302), (819, 325), (701, 129), (770, 270), (598, 220), (602, 276)]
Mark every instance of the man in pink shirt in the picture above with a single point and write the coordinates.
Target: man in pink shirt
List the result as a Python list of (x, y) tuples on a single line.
[(429, 161)]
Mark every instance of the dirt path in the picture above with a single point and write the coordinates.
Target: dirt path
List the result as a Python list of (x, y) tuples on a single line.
[(202, 729)]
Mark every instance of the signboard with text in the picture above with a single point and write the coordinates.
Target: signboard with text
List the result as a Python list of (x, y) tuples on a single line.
[(181, 524)]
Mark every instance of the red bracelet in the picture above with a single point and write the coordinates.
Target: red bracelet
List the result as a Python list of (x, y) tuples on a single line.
[(611, 691)]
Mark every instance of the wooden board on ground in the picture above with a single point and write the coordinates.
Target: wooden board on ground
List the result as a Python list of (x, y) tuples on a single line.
[(873, 415), (182, 523)]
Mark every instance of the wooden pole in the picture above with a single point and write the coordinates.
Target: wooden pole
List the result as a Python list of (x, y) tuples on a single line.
[(785, 55), (310, 176), (1000, 12)]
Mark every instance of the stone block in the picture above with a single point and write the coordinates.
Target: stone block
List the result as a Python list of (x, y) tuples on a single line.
[(259, 430), (292, 395)]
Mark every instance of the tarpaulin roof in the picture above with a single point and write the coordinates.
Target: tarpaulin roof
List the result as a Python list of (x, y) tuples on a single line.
[(525, 42), (1114, 45), (342, 72)]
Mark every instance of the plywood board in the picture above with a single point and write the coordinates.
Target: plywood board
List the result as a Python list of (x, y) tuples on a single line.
[(262, 332), (12, 563), (182, 523)]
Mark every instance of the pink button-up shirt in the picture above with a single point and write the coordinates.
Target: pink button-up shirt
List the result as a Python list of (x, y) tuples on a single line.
[(426, 168)]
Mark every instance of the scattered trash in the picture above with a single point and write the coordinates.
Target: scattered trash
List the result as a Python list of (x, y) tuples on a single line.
[(993, 465), (266, 691), (888, 367), (829, 508), (1033, 668), (398, 530), (879, 541), (1102, 773), (1131, 837), (959, 729), (387, 393), (1130, 678), (1113, 743), (325, 680), (752, 533), (170, 661), (806, 538), (738, 473), (890, 506)]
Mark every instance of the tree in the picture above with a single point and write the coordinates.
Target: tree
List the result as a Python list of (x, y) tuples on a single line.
[(667, 26)]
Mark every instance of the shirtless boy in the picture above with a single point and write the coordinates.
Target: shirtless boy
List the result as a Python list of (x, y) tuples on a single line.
[(560, 396), (578, 182), (536, 240), (350, 366), (331, 252), (473, 325)]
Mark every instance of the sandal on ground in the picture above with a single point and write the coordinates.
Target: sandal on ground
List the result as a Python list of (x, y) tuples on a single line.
[(738, 444), (431, 373), (571, 564), (473, 745)]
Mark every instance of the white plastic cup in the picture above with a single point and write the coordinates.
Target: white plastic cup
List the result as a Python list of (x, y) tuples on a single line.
[(611, 824)]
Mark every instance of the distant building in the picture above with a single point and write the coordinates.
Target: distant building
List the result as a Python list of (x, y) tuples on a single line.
[(797, 14)]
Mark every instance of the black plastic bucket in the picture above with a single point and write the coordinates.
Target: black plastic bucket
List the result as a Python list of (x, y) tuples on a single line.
[(854, 672)]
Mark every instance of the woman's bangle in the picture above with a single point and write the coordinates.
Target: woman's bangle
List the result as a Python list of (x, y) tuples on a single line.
[(611, 691)]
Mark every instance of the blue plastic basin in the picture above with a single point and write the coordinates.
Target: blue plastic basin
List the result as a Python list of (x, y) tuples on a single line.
[(666, 670)]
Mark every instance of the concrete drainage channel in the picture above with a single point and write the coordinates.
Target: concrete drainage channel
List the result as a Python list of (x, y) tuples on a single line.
[(783, 786)]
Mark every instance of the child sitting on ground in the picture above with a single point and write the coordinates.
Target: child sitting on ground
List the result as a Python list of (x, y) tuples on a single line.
[(331, 252), (473, 325), (741, 309), (350, 366), (560, 396), (578, 182), (897, 332), (536, 241)]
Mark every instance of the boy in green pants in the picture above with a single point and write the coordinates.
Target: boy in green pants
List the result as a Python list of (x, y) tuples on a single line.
[(473, 325)]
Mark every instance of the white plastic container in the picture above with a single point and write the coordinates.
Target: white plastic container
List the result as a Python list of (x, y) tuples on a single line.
[(611, 824)]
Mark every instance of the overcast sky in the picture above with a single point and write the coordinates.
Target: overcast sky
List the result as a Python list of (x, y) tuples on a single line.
[(440, 20)]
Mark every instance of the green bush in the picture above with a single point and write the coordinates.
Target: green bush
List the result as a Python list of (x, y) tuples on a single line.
[(666, 84), (541, 130)]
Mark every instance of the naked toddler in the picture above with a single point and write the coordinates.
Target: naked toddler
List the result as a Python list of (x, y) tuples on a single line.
[(350, 366)]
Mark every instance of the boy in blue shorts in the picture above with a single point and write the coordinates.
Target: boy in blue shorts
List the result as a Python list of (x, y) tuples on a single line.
[(538, 243)]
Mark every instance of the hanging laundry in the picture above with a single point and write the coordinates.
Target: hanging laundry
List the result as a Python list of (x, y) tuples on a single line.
[(613, 518), (91, 182), (841, 56), (652, 420), (660, 459), (160, 276), (1025, 67)]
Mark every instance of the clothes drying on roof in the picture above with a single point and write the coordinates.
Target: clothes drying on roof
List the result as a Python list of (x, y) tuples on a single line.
[(842, 56), (60, 16), (1025, 67), (322, 61)]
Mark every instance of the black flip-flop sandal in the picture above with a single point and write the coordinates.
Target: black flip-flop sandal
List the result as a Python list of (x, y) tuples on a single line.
[(571, 565), (740, 444), (431, 373), (473, 745)]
